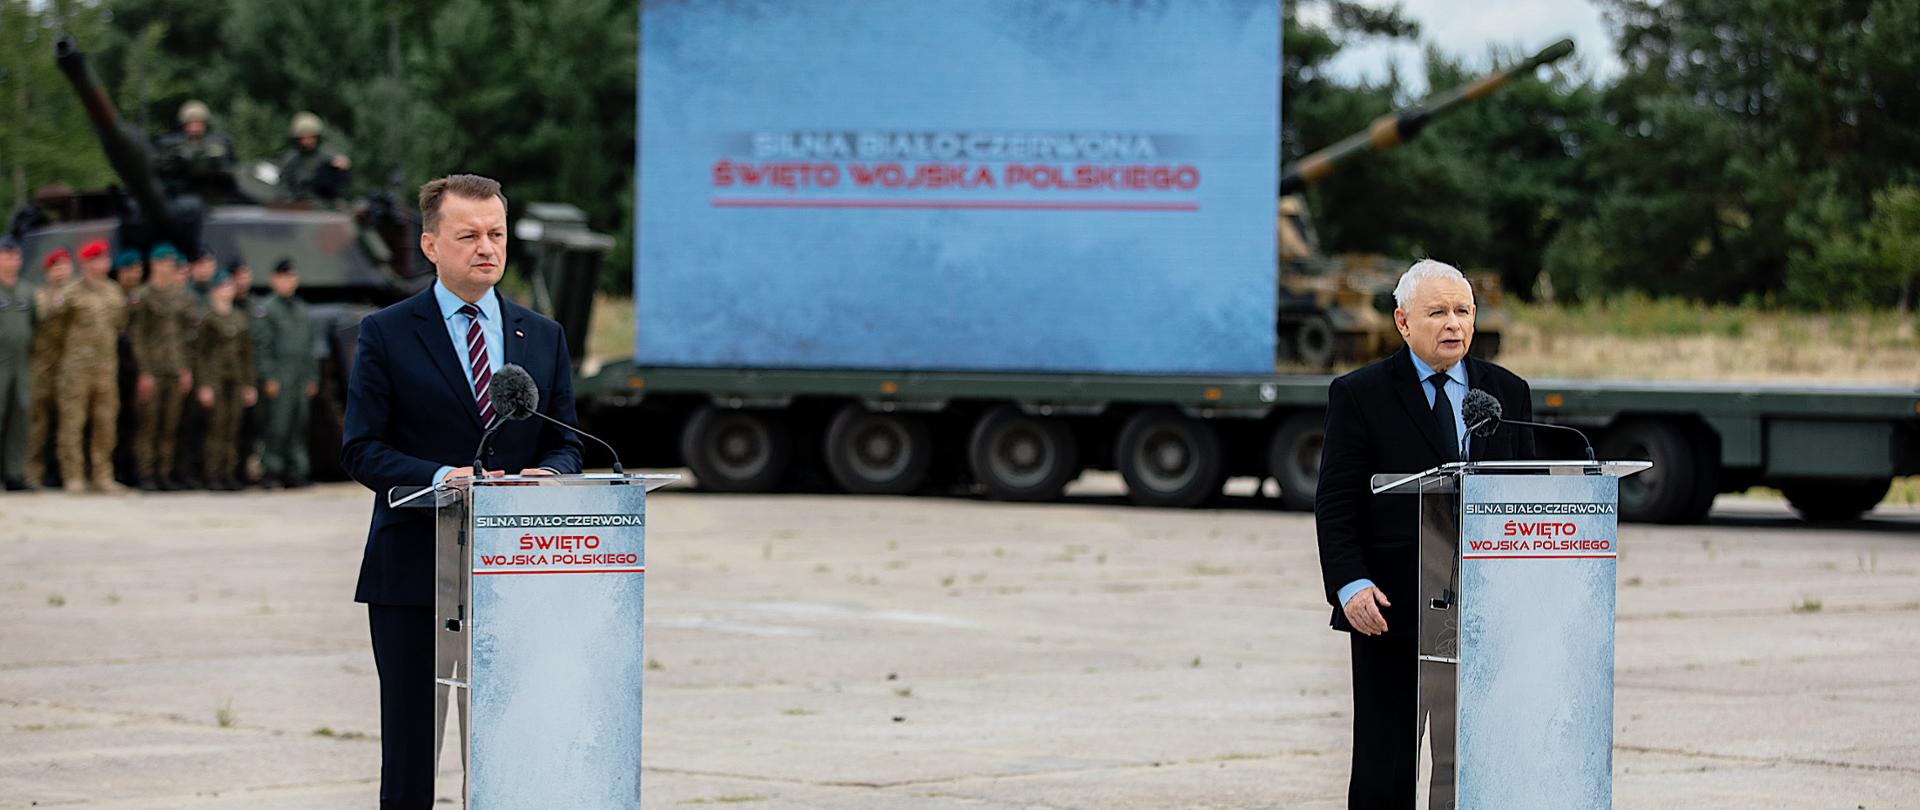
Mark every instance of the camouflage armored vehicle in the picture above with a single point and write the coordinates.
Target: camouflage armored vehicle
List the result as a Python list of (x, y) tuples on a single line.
[(352, 260), (1339, 310)]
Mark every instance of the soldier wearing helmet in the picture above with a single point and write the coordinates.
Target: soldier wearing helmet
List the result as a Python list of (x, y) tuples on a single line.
[(309, 170), (194, 159)]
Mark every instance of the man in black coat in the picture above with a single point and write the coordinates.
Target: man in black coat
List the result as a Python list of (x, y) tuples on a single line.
[(417, 404), (1399, 415)]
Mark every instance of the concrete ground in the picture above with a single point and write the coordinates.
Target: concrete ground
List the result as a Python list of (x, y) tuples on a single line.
[(202, 651)]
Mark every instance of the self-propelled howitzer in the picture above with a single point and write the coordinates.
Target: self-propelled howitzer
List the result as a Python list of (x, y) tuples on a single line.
[(1335, 310)]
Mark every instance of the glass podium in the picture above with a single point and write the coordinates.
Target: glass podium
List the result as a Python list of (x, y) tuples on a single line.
[(538, 602), (1515, 596)]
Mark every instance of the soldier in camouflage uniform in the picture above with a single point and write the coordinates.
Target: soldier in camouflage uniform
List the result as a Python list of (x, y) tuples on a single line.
[(223, 371), (49, 339), (192, 472), (289, 377), (309, 170), (95, 310), (253, 422), (160, 318), (16, 337)]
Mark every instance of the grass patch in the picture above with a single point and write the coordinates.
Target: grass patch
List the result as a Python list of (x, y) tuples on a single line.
[(1807, 606), (223, 715), (610, 335), (56, 600), (1640, 337)]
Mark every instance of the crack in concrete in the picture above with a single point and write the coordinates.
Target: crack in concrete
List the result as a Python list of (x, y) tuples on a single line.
[(1759, 760)]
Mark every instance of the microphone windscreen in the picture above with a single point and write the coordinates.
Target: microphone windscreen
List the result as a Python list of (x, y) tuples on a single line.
[(515, 397), (1481, 412)]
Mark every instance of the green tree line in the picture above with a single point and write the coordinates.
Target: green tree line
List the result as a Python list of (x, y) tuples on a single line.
[(1764, 150)]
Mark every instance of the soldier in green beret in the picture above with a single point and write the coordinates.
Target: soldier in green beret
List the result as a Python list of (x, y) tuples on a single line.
[(129, 270), (161, 320), (193, 417), (223, 373)]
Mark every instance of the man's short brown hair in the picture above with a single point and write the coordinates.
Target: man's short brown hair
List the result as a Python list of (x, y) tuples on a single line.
[(470, 186)]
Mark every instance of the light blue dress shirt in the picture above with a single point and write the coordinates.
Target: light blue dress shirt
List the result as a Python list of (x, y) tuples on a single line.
[(491, 331), (1456, 386)]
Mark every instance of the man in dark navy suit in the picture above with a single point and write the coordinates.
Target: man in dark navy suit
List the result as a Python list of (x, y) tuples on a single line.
[(1399, 415), (417, 404)]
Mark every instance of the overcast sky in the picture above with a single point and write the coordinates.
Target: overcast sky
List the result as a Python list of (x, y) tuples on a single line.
[(1467, 30)]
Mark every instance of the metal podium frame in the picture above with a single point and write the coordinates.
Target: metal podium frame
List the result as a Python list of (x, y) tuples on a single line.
[(1439, 596), (454, 566)]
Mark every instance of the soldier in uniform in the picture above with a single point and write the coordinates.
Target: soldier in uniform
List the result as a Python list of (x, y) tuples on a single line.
[(49, 342), (308, 169), (95, 310), (200, 273), (254, 420), (159, 320), (193, 418), (223, 371), (16, 337), (194, 159), (289, 378), (129, 271)]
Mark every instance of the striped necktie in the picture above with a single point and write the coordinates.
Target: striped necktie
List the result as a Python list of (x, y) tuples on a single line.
[(478, 366)]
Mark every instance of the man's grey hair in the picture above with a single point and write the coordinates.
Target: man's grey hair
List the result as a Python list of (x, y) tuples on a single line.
[(1424, 270)]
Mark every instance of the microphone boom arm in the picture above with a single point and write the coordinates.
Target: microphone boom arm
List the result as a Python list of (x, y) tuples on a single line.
[(617, 469)]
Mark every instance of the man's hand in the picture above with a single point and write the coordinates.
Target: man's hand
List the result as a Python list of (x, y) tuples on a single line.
[(248, 396), (271, 388), (536, 471), (205, 396), (186, 382), (1363, 611), (467, 472), (313, 388), (143, 388)]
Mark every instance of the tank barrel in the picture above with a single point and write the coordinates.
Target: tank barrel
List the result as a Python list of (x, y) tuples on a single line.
[(126, 152), (1395, 128)]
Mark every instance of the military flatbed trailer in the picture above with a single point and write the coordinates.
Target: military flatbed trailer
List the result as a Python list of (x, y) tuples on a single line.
[(1833, 451)]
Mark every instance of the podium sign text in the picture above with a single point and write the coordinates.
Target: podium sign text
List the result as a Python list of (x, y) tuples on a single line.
[(558, 575), (1535, 725)]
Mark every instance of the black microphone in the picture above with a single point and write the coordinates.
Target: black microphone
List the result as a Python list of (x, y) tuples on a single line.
[(1482, 413), (515, 384)]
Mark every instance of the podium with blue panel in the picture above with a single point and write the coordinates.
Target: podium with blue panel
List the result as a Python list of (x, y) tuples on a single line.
[(1515, 644), (538, 600)]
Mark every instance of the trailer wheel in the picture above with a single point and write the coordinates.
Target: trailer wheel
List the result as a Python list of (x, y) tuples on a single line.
[(1168, 459), (1313, 341), (736, 451), (1019, 457), (1293, 458), (878, 453), (1835, 501), (1666, 493)]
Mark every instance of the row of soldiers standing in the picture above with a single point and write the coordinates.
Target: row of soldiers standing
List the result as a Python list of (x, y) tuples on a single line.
[(194, 343)]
